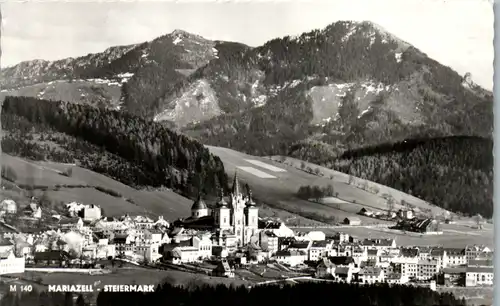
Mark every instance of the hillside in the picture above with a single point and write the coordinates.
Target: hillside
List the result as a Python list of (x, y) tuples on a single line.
[(275, 184), (127, 148), (50, 181), (455, 173)]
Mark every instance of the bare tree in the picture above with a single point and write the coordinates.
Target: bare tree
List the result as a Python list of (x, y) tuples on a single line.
[(479, 221), (390, 204)]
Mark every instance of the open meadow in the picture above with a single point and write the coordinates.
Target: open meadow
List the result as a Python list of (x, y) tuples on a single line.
[(454, 235), (276, 184), (114, 197)]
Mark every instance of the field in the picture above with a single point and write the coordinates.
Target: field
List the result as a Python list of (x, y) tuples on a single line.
[(454, 235), (279, 187), (68, 189)]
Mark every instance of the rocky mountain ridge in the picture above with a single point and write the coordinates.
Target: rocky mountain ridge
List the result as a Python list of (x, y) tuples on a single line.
[(347, 85)]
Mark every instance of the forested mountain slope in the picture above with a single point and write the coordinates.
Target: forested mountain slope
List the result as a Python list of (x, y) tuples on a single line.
[(455, 173), (128, 148)]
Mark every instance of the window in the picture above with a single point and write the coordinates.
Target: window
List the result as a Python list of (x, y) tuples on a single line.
[(224, 220), (483, 278)]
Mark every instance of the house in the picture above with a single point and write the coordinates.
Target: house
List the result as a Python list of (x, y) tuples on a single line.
[(9, 263), (6, 246), (154, 236), (277, 227), (324, 269), (269, 242), (343, 261), (371, 275), (473, 252), (223, 269), (291, 257), (452, 277), (396, 278), (302, 246), (365, 212), (424, 252), (352, 221), (183, 254), (478, 276), (142, 222), (147, 251), (318, 250), (359, 254), (341, 237), (285, 242), (8, 206), (379, 244), (219, 251), (373, 255), (316, 236), (74, 208), (427, 269), (33, 210), (123, 245), (204, 245), (343, 274), (406, 214), (91, 212), (52, 258), (454, 257)]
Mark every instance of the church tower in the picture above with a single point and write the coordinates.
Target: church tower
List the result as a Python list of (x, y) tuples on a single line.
[(238, 220), (222, 213), (252, 218)]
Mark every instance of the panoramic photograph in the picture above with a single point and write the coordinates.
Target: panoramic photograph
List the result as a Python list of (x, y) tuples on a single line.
[(246, 153)]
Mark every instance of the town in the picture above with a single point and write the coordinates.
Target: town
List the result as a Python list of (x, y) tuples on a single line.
[(232, 241)]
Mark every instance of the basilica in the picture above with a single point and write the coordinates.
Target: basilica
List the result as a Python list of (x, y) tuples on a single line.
[(235, 220)]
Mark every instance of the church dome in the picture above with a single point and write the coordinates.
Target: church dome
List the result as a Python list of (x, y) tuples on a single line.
[(250, 201), (221, 202), (199, 204)]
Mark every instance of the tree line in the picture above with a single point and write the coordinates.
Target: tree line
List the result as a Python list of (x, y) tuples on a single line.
[(315, 192), (38, 298), (299, 294), (148, 147)]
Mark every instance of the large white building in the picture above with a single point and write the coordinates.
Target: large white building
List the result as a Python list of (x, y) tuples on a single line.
[(238, 218), (9, 263)]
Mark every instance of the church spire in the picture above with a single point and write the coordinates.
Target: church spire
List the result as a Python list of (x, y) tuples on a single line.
[(236, 184)]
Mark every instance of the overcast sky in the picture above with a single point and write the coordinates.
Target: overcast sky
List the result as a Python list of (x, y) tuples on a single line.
[(457, 33)]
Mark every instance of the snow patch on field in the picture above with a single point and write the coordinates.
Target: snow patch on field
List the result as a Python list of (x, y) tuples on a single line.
[(264, 165), (256, 172)]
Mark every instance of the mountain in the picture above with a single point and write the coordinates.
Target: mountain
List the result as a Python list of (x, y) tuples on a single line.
[(316, 96), (346, 86), (123, 76)]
